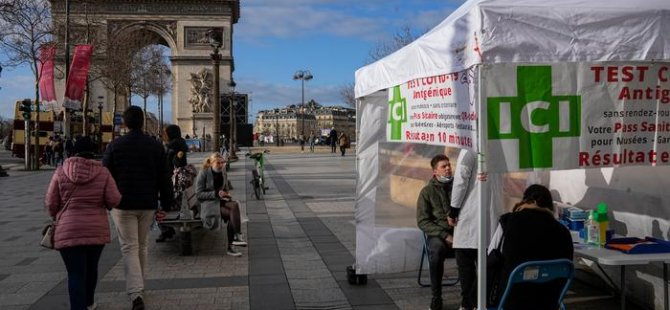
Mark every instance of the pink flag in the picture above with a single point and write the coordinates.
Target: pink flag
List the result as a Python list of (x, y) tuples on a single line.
[(47, 90), (76, 81)]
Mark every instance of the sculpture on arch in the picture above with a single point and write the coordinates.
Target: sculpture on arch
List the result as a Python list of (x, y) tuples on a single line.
[(201, 91)]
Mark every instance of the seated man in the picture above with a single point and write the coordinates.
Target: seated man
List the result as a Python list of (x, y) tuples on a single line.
[(432, 208)]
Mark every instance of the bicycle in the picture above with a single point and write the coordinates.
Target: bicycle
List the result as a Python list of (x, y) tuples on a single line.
[(258, 179)]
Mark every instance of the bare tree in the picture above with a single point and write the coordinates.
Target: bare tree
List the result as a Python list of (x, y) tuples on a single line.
[(25, 26), (143, 84), (347, 93), (162, 80), (382, 49)]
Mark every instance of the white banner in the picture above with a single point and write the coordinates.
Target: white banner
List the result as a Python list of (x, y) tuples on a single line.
[(577, 115), (435, 110)]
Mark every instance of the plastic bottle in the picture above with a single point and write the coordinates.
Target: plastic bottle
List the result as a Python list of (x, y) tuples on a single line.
[(592, 229), (603, 222)]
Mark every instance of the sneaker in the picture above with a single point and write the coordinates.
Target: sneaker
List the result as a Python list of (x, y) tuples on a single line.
[(94, 306), (237, 240), (435, 304), (231, 252), (138, 303)]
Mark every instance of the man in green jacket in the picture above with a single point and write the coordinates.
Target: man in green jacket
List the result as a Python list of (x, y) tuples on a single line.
[(432, 208)]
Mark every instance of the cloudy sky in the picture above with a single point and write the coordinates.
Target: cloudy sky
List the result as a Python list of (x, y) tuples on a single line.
[(274, 39)]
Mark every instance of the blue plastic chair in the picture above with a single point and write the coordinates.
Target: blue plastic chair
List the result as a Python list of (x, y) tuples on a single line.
[(540, 272), (424, 255)]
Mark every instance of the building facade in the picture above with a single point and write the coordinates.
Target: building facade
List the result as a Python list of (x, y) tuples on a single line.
[(288, 123)]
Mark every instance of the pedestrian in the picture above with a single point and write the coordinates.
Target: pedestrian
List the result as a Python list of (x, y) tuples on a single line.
[(175, 151), (301, 139), (344, 142), (312, 141), (49, 151), (79, 195), (332, 139), (68, 147), (58, 151), (137, 163), (216, 203), (432, 208), (530, 232)]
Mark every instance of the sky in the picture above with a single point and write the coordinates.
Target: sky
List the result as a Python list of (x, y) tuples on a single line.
[(275, 38)]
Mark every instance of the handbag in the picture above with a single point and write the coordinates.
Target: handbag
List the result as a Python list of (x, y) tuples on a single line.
[(49, 231), (48, 236)]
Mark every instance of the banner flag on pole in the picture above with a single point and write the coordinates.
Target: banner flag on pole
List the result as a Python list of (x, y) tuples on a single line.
[(46, 84), (76, 81)]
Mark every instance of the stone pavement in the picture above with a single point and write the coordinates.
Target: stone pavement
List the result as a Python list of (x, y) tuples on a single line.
[(301, 238)]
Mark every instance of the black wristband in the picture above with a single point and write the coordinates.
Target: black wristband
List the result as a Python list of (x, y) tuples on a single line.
[(454, 212)]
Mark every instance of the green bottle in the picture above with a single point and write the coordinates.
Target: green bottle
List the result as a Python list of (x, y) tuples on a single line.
[(603, 222)]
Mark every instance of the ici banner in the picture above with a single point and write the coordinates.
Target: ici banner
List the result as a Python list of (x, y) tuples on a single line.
[(76, 80)]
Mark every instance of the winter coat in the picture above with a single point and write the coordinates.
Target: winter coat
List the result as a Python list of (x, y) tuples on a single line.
[(344, 140), (137, 163), (432, 207), (465, 198), (531, 234), (174, 146), (208, 196), (91, 191)]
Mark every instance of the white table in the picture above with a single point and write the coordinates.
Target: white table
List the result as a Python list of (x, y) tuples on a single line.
[(603, 256)]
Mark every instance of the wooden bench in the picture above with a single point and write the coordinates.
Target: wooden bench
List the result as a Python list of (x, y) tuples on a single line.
[(184, 224)]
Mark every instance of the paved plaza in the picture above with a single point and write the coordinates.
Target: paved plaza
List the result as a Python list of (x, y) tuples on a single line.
[(301, 238)]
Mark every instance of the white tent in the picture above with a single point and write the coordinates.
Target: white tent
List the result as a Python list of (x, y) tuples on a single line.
[(586, 80)]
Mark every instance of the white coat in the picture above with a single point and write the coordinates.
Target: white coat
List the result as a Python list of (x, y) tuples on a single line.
[(465, 195)]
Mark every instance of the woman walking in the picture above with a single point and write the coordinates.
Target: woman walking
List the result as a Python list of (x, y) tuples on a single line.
[(79, 195)]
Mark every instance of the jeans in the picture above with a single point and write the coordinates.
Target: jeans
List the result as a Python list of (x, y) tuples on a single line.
[(132, 227), (466, 259), (437, 253), (333, 148), (230, 212), (81, 263), (311, 147)]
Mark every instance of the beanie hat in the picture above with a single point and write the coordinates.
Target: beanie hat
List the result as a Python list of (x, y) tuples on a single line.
[(84, 145)]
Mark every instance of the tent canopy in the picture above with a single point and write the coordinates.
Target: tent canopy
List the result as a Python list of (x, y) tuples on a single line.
[(517, 31)]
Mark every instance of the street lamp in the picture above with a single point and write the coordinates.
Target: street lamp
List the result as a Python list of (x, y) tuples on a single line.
[(193, 122), (303, 75), (216, 40), (100, 104), (231, 138), (277, 125)]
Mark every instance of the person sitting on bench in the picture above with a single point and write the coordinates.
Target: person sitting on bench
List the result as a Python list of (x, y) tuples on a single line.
[(212, 190)]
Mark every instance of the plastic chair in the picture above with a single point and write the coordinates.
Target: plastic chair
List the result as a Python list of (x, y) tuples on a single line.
[(540, 272), (424, 255)]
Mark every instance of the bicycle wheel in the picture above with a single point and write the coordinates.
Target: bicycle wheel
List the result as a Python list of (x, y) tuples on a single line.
[(256, 183)]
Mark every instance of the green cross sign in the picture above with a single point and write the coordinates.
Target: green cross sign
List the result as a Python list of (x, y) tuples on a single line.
[(534, 117), (397, 114)]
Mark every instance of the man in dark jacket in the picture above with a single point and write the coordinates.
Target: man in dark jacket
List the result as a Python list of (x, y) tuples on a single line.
[(332, 138), (137, 163), (432, 208)]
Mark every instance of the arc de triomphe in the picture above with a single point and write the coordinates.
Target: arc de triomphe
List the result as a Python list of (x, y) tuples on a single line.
[(181, 25)]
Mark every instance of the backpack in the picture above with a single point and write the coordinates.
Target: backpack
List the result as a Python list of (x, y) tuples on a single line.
[(183, 177)]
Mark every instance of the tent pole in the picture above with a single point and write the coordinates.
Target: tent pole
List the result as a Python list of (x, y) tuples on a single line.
[(483, 194)]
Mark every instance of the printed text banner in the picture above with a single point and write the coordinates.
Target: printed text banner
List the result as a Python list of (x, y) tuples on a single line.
[(435, 110), (576, 115)]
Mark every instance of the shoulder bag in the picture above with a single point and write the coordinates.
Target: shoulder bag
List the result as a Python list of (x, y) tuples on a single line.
[(49, 230)]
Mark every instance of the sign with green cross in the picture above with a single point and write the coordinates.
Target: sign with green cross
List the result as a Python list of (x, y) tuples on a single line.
[(397, 114), (535, 116)]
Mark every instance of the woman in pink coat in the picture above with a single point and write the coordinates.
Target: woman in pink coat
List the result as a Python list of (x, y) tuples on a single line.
[(83, 228)]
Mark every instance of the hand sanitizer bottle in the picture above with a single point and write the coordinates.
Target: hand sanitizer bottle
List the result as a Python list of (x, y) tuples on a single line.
[(592, 229)]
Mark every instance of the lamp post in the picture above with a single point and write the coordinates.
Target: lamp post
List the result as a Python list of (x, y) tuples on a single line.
[(303, 75), (216, 40), (231, 138), (193, 123), (277, 125), (100, 105)]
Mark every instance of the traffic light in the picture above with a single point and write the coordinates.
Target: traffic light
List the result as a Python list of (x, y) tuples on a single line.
[(25, 108)]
